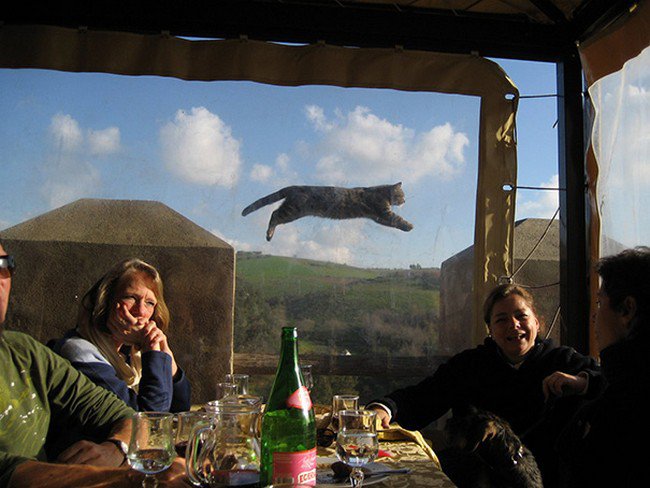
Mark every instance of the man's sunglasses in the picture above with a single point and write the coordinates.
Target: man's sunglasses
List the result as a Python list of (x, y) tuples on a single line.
[(7, 262)]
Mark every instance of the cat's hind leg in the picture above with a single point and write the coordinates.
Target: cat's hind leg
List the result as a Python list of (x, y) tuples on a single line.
[(279, 216), (270, 230)]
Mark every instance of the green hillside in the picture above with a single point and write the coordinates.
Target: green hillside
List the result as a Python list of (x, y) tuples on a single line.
[(338, 309), (390, 310), (281, 276)]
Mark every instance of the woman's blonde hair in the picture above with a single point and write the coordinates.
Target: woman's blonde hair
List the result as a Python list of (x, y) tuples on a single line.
[(99, 301)]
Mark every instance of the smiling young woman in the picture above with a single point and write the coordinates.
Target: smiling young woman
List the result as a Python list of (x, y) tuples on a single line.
[(512, 374)]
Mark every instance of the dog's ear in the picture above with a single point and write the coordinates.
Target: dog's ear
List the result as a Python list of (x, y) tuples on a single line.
[(490, 429), (464, 410), (480, 429)]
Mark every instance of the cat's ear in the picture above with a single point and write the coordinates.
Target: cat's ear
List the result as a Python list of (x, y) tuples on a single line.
[(398, 184)]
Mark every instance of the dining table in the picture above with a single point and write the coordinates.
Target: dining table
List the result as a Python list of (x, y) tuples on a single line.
[(398, 448)]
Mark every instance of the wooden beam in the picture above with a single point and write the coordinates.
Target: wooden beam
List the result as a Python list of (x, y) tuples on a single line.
[(351, 24)]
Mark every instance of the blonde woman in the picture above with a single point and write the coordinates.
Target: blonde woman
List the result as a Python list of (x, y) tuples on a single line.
[(120, 341)]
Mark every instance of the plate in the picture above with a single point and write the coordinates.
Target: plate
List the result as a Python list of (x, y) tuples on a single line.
[(325, 475)]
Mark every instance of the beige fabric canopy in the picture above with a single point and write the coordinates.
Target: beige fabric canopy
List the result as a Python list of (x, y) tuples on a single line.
[(80, 50)]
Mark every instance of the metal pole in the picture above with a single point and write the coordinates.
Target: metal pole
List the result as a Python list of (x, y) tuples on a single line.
[(574, 256)]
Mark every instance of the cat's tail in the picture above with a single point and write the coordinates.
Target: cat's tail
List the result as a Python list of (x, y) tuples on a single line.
[(273, 197)]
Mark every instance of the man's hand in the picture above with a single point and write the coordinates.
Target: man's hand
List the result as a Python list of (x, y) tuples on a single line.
[(86, 452), (382, 415), (562, 384), (31, 474)]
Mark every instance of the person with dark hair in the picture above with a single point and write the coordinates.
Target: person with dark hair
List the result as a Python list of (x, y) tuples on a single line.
[(604, 446), (38, 388), (120, 341), (514, 374)]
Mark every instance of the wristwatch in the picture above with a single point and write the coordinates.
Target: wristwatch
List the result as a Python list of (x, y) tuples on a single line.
[(121, 446)]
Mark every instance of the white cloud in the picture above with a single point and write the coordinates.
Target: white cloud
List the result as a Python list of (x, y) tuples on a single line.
[(236, 244), (336, 242), (288, 241), (367, 149), (544, 206), (104, 142), (66, 133), (316, 115), (261, 173), (68, 172), (278, 175), (75, 180), (200, 148)]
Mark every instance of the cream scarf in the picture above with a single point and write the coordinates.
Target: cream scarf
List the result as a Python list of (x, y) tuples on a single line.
[(129, 373)]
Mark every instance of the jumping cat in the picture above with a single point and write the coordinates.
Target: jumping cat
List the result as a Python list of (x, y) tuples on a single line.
[(334, 203), (484, 452)]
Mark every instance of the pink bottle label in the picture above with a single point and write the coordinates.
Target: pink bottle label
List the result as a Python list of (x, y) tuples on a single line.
[(295, 467), (299, 399)]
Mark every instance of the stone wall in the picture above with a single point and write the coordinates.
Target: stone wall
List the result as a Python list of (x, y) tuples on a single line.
[(61, 254)]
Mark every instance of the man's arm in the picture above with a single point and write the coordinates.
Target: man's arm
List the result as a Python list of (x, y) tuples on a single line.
[(35, 473), (107, 454)]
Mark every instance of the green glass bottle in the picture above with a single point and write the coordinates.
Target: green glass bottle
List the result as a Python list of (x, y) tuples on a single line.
[(288, 425)]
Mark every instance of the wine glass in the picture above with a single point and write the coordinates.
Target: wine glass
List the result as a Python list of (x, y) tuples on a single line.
[(356, 441), (151, 449), (241, 380), (186, 421), (342, 402), (225, 390), (307, 376)]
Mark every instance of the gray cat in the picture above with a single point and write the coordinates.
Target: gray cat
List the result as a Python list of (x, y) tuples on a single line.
[(334, 203)]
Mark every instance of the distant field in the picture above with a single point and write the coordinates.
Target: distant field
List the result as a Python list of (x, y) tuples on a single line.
[(275, 277), (337, 309), (280, 276)]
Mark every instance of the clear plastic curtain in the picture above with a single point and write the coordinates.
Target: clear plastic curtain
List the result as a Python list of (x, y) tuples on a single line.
[(621, 144), (617, 69)]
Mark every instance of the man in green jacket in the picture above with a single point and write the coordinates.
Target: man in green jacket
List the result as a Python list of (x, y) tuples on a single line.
[(38, 387)]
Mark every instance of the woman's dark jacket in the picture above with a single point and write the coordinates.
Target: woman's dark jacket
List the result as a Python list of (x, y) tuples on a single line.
[(484, 378), (608, 443), (157, 390)]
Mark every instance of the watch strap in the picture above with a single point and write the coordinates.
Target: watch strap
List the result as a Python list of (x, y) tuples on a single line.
[(121, 446)]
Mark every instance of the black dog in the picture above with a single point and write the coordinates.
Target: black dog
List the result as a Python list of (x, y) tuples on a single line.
[(484, 452)]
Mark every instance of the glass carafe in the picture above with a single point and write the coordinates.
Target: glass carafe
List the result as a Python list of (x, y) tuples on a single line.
[(224, 450)]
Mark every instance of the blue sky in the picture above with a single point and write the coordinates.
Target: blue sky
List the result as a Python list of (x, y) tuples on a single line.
[(209, 149)]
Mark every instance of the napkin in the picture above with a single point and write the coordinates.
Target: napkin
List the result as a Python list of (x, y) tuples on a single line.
[(397, 433)]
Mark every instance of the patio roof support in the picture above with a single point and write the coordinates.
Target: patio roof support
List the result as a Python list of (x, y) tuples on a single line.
[(574, 256)]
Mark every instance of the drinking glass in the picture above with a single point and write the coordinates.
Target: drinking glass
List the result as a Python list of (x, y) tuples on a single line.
[(356, 441), (342, 402), (225, 450), (225, 390), (151, 449), (241, 380), (185, 422), (307, 376)]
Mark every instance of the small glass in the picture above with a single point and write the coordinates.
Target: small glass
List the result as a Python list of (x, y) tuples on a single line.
[(225, 390), (307, 376), (185, 422), (342, 402), (356, 441), (151, 449), (241, 380)]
